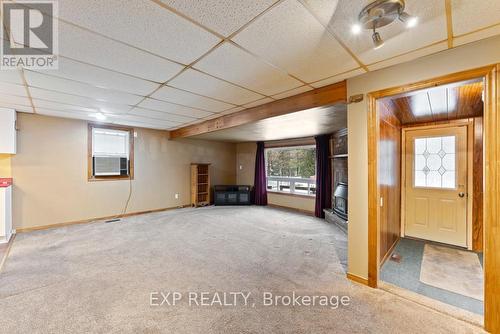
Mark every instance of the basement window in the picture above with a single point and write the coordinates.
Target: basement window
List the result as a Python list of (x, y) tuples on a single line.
[(110, 153), (291, 170)]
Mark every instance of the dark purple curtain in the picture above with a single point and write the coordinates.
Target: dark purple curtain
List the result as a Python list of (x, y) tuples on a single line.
[(260, 183), (323, 176)]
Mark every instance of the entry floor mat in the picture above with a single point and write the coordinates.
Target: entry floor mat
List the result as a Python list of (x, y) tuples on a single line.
[(452, 269), (406, 275)]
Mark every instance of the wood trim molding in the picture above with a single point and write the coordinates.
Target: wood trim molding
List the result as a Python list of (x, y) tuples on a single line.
[(449, 22), (386, 256), (373, 192), (320, 97), (491, 205), (439, 81), (95, 220), (357, 279), (90, 176)]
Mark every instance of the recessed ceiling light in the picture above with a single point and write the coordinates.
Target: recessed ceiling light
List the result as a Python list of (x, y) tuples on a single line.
[(356, 29)]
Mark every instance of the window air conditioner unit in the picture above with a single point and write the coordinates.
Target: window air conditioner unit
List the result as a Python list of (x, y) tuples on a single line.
[(108, 166)]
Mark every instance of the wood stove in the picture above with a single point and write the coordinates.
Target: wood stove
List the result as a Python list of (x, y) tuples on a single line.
[(340, 200)]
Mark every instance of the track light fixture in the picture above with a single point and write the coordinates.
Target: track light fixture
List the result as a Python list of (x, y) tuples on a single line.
[(381, 13), (378, 42)]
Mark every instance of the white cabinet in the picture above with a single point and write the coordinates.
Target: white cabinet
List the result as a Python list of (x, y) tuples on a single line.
[(5, 210), (7, 131)]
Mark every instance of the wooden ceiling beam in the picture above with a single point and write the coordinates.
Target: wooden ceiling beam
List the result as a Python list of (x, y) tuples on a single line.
[(320, 97)]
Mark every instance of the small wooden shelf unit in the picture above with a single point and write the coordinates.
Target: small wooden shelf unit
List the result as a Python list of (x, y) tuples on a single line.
[(200, 184)]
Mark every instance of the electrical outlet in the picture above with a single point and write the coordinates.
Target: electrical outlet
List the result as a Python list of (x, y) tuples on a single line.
[(241, 167), (176, 196), (135, 134)]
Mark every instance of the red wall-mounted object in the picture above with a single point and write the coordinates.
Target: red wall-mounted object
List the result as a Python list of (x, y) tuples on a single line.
[(5, 182)]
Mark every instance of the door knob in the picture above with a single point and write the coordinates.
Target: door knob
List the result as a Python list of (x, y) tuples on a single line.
[(461, 195)]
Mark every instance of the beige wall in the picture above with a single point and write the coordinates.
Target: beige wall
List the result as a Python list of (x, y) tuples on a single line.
[(5, 165), (470, 56), (50, 172), (245, 173)]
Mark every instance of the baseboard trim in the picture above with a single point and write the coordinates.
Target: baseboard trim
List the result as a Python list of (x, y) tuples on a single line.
[(391, 249), (307, 212), (357, 279), (93, 220)]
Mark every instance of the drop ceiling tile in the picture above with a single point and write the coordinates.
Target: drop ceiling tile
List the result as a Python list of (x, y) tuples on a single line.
[(222, 16), (476, 36), (56, 106), (143, 24), (12, 99), (232, 111), (338, 78), (142, 121), (410, 56), (12, 89), (72, 87), (143, 125), (99, 77), (160, 115), (212, 116), (297, 42), (258, 102), (398, 39), (174, 95), (323, 9), (16, 107), (473, 15), (233, 64), (173, 108), (65, 114), (11, 76), (203, 84), (292, 92), (80, 101), (91, 48)]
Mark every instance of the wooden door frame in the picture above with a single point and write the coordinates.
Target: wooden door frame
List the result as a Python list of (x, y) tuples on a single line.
[(491, 168), (469, 124)]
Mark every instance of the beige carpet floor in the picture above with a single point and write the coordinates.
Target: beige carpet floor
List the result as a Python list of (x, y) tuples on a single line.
[(97, 278), (453, 269)]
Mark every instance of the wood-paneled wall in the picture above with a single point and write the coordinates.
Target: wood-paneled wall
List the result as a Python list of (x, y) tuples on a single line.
[(389, 178), (478, 191)]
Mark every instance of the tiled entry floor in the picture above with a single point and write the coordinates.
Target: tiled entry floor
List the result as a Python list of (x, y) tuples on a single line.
[(406, 274)]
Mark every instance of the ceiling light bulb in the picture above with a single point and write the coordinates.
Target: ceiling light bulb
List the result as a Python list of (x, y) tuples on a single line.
[(356, 29), (378, 42), (410, 21), (99, 116)]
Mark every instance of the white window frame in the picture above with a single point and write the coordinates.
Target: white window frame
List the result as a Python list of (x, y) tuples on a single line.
[(291, 180), (128, 151)]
